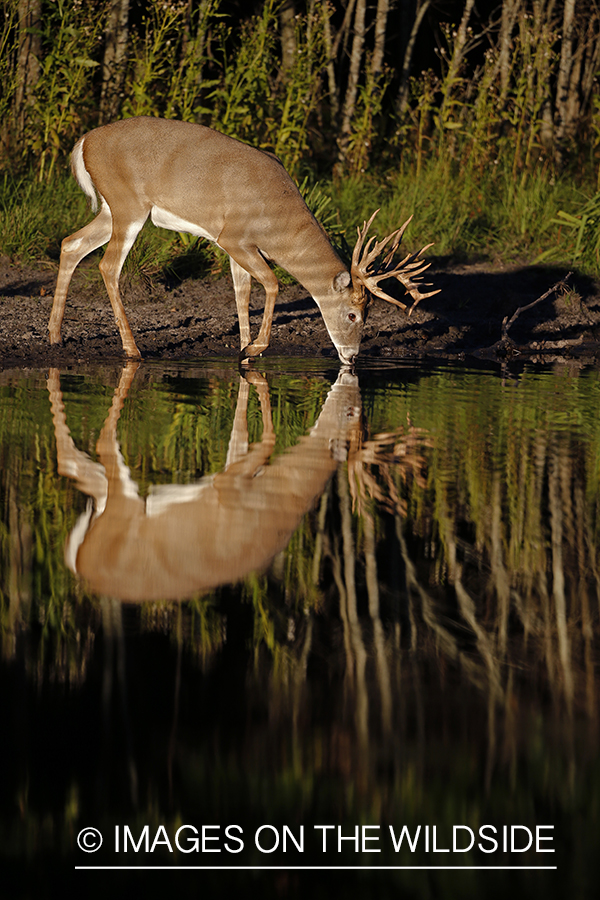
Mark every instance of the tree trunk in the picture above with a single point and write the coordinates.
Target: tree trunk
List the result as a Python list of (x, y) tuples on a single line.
[(28, 63), (573, 105), (115, 58), (358, 43), (564, 124), (342, 35), (383, 8), (334, 99), (287, 13), (402, 101), (510, 11), (591, 59), (461, 40)]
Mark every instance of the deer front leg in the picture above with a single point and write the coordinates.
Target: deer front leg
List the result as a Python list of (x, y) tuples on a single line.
[(241, 284), (247, 263)]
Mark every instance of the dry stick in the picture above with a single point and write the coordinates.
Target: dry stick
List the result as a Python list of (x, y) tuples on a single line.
[(506, 323)]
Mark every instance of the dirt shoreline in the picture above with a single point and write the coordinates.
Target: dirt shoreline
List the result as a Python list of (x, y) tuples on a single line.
[(196, 318)]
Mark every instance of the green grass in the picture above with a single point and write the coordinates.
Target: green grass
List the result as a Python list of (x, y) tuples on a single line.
[(468, 154), (35, 215), (469, 215)]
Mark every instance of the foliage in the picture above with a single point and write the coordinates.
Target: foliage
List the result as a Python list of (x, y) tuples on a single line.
[(469, 214), (584, 227), (62, 102), (35, 215), (482, 114)]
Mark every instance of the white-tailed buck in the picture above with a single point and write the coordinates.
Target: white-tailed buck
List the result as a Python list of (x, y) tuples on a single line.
[(184, 539), (192, 179)]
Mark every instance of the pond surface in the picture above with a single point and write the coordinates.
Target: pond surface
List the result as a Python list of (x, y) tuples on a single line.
[(301, 618)]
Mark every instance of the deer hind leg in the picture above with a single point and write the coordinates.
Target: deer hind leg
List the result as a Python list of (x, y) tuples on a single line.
[(254, 265), (124, 234), (73, 249)]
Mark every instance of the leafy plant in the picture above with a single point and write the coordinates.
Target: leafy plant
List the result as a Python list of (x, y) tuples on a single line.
[(62, 94), (584, 228)]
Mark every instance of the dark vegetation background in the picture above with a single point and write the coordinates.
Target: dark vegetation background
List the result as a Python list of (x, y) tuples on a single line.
[(480, 118)]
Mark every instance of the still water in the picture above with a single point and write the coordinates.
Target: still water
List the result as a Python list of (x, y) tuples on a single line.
[(301, 618)]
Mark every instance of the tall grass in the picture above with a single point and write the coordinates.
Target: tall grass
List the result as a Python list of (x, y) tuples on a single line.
[(493, 216), (35, 215), (469, 153), (62, 101)]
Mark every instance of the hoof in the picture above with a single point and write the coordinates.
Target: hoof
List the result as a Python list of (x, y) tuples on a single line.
[(251, 351)]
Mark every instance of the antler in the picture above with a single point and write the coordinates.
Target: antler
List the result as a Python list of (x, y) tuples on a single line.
[(369, 269)]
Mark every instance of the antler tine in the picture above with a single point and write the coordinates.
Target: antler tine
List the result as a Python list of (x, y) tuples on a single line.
[(397, 236), (361, 237), (370, 255), (412, 262), (407, 272)]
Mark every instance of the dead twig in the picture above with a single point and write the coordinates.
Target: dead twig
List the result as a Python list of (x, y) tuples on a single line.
[(506, 323)]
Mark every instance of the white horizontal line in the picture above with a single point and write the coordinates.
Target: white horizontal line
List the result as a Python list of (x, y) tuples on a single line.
[(322, 868)]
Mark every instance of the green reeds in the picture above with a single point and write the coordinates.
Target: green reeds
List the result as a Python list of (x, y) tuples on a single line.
[(467, 214), (467, 146), (35, 215)]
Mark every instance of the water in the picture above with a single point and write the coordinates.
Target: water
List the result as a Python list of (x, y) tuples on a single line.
[(236, 610)]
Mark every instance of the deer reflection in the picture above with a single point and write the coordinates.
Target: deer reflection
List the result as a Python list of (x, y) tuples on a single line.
[(425, 636), (185, 539)]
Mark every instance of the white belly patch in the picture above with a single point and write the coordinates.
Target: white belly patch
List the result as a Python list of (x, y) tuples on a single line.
[(164, 219)]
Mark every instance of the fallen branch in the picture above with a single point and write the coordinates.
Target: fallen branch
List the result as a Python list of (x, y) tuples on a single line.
[(506, 323)]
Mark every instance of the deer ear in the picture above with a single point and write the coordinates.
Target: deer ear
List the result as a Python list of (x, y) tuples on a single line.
[(341, 281)]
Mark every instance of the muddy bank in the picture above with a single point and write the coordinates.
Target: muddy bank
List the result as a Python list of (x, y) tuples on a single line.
[(196, 318)]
